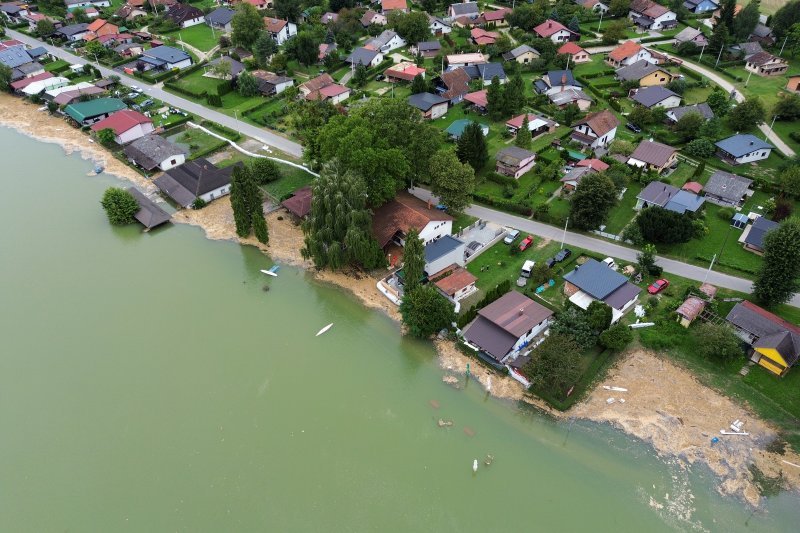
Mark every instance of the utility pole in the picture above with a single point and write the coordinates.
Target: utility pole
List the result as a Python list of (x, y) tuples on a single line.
[(721, 48), (564, 235), (601, 20), (766, 135), (748, 79), (784, 44), (710, 267), (703, 49)]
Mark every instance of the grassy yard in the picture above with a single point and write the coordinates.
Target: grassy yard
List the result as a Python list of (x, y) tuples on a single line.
[(462, 221), (197, 82), (293, 179), (199, 36), (196, 141), (623, 212), (597, 64), (56, 65)]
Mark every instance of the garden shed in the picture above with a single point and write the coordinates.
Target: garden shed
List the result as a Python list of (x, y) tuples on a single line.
[(740, 221)]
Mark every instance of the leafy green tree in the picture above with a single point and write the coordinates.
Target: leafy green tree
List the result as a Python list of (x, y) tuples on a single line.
[(495, 99), (788, 107), (45, 28), (526, 16), (789, 181), (777, 280), (574, 24), (360, 76), (106, 136), (574, 323), (746, 20), (338, 230), (425, 311), (247, 25), (120, 206), (688, 126), (641, 116), (514, 95), (717, 341), (719, 101), (701, 148), (264, 170), (264, 48), (95, 49), (413, 27), (304, 47), (555, 365), (247, 84), (79, 16), (616, 337), (243, 190), (599, 316), (413, 260), (711, 129), (719, 38), (619, 8), (646, 259), (471, 147), (785, 18), (523, 138), (451, 180), (661, 226), (592, 200), (614, 31), (288, 9), (747, 115), (418, 84)]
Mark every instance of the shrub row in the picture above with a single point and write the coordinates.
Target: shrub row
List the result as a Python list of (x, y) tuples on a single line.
[(211, 149), (689, 72), (728, 264), (194, 68), (222, 130), (505, 205), (594, 75), (184, 91), (651, 39), (502, 180)]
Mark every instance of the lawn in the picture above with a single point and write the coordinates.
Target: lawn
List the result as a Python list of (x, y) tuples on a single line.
[(196, 141), (623, 212), (462, 221), (56, 66), (597, 64), (200, 36), (197, 82), (293, 179)]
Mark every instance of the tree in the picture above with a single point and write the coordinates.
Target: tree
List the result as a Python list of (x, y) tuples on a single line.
[(260, 229), (641, 116), (5, 77), (120, 206), (472, 147), (45, 27), (264, 48), (719, 102), (222, 69), (243, 189), (711, 129), (247, 84), (619, 8), (777, 280), (247, 25), (574, 24), (288, 9), (425, 311), (451, 180), (646, 259), (360, 76), (701, 148), (413, 260), (616, 337), (746, 20), (717, 341), (79, 16), (677, 85), (747, 115), (304, 47), (592, 200), (523, 139), (786, 17), (106, 136), (413, 27), (789, 181), (338, 230), (573, 322), (727, 12), (599, 316), (792, 39), (788, 107), (514, 95), (495, 99), (659, 225), (688, 126), (615, 31), (418, 84), (719, 38), (264, 170), (555, 365)]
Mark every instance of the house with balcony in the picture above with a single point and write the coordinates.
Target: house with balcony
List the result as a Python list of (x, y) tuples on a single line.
[(514, 161), (596, 130)]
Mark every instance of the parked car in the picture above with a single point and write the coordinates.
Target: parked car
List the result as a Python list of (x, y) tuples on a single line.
[(633, 127), (511, 236), (562, 254), (658, 286), (136, 88), (147, 103), (527, 268), (609, 262), (551, 262), (524, 245)]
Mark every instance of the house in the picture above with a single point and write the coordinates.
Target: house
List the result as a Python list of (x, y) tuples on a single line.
[(431, 105), (793, 84), (691, 35), (371, 17), (13, 13), (522, 54), (326, 49), (648, 15), (299, 204), (766, 64), (479, 100), (595, 164), (692, 186), (727, 190), (453, 85), (392, 221), (743, 148), (506, 326), (482, 37), (100, 27), (762, 34), (464, 9), (677, 113), (260, 4), (596, 130), (576, 53), (646, 73), (656, 96), (387, 41), (280, 29), (110, 40), (365, 56), (555, 31), (628, 53), (270, 83), (745, 50), (73, 32), (496, 17), (403, 71), (444, 251), (514, 161), (700, 6), (149, 214), (691, 308), (387, 6), (456, 129), (15, 56), (129, 50), (572, 178), (71, 96), (324, 88), (129, 13), (195, 179), (127, 124), (595, 5), (438, 27), (486, 73), (466, 60), (19, 85), (221, 18), (537, 124), (185, 15), (91, 111), (653, 156), (455, 282), (164, 58), (328, 17), (556, 81), (155, 152), (42, 84), (775, 341), (427, 49), (595, 281), (72, 4), (666, 196), (234, 68), (752, 238), (571, 96)]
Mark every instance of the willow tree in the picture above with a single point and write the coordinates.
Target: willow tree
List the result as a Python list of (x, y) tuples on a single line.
[(413, 260), (338, 228)]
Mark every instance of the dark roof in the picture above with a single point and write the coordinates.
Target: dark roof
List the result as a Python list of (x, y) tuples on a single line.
[(37, 52), (653, 152), (650, 96), (742, 144), (771, 330), (703, 109), (362, 56), (596, 279), (490, 337), (220, 16), (518, 51), (192, 179), (236, 66), (403, 213), (456, 81), (727, 186), (485, 71), (600, 122), (638, 70), (684, 201), (785, 343), (429, 46), (557, 78), (73, 29), (761, 30), (748, 49), (151, 150), (183, 12), (300, 202), (149, 214), (465, 8), (761, 226), (762, 58), (441, 247), (15, 56), (627, 292), (167, 54), (425, 101), (513, 155)]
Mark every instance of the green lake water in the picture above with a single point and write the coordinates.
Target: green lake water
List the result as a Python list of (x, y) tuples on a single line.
[(148, 383)]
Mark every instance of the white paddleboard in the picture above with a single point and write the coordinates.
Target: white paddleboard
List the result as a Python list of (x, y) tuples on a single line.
[(268, 273), (323, 330), (475, 465)]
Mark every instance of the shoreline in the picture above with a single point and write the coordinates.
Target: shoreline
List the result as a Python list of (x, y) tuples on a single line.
[(666, 406)]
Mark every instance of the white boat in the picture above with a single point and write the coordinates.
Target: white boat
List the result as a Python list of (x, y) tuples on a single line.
[(475, 465), (323, 330), (269, 273), (723, 432)]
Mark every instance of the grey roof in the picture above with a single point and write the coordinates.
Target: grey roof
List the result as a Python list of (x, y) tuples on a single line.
[(637, 71), (760, 227), (149, 214), (653, 152), (15, 56), (441, 247), (10, 8), (425, 101), (570, 95), (684, 201), (490, 337), (727, 186), (513, 155), (742, 144), (30, 68), (485, 71), (236, 66), (596, 279), (576, 174), (650, 96), (518, 51), (429, 46), (703, 109), (687, 34), (748, 49), (465, 8), (557, 78), (220, 16), (657, 193), (39, 51), (627, 292), (362, 56), (761, 31), (166, 54), (192, 179), (73, 29), (382, 39), (787, 343), (758, 321), (151, 150)]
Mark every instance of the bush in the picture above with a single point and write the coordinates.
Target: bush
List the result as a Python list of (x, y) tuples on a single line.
[(120, 206), (718, 341), (616, 337), (662, 336), (214, 100), (502, 180), (726, 213), (199, 203)]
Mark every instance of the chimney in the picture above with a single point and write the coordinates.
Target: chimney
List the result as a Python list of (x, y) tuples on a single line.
[(549, 24), (520, 311), (751, 143)]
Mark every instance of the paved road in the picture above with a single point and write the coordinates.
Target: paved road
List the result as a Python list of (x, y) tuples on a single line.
[(603, 247), (265, 136)]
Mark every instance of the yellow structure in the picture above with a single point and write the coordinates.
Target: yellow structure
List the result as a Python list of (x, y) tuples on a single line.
[(658, 77), (775, 341)]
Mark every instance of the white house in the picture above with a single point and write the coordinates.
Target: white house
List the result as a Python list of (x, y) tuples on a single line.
[(555, 31), (596, 130), (165, 58), (392, 221), (185, 15), (466, 60), (438, 26), (455, 282), (650, 15), (387, 41), (743, 148), (128, 125), (71, 4), (279, 29), (628, 53), (365, 56), (153, 151), (596, 281), (443, 252)]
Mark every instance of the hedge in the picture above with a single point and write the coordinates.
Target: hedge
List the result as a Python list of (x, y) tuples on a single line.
[(689, 72), (652, 39), (514, 207), (211, 149), (222, 130), (502, 180), (256, 109), (194, 68), (186, 92), (594, 75)]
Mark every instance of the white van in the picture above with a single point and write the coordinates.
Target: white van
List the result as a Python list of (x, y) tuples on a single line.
[(511, 235), (527, 268), (609, 261)]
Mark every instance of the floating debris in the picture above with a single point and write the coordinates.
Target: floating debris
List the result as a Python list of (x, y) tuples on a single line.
[(434, 404), (489, 459), (469, 431), (450, 380), (475, 465), (265, 288), (442, 423)]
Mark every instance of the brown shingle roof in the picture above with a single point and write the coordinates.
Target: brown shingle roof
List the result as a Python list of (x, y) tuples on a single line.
[(457, 280), (300, 203), (315, 84), (601, 122), (515, 313), (402, 214), (274, 25), (457, 83), (653, 153)]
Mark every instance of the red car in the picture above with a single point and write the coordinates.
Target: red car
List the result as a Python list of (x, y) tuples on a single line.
[(526, 243), (658, 286)]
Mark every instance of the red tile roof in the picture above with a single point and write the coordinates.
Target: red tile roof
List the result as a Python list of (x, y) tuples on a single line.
[(404, 71), (498, 15), (570, 48), (482, 37), (692, 186), (389, 5), (274, 25), (402, 214), (594, 164), (122, 121), (624, 51), (549, 27), (478, 98), (300, 203)]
